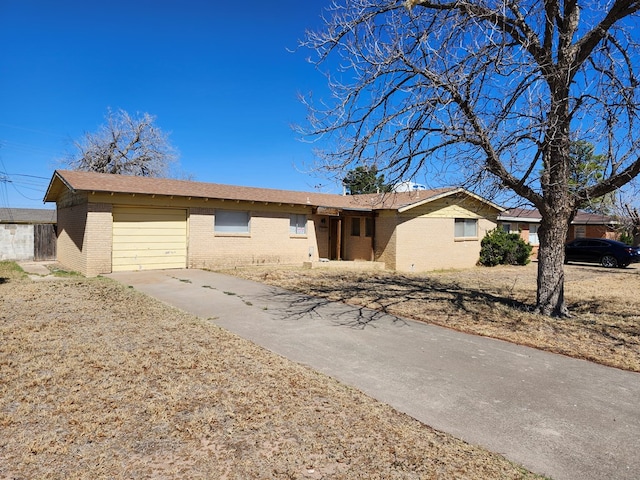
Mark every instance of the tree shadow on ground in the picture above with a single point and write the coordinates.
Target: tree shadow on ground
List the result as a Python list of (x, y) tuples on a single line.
[(596, 331), (297, 306), (366, 301)]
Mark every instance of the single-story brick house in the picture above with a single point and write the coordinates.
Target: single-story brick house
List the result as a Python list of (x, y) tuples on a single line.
[(27, 234), (585, 225), (113, 222)]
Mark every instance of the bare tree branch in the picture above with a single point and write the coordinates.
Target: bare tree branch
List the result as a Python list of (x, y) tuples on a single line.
[(125, 145), (494, 90)]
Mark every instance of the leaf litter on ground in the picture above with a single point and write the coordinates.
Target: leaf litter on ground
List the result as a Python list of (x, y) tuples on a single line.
[(100, 381)]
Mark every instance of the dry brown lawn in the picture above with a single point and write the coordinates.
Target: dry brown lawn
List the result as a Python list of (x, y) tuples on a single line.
[(98, 381), (495, 302)]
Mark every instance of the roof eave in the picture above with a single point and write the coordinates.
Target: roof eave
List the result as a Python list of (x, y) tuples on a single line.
[(519, 219), (50, 195), (595, 222), (574, 222)]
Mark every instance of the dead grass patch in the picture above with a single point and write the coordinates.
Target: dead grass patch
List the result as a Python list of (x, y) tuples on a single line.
[(99, 381), (494, 302)]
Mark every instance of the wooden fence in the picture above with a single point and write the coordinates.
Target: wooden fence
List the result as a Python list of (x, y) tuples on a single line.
[(44, 242)]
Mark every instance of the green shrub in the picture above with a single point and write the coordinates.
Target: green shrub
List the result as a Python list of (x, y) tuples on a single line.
[(626, 237), (501, 248)]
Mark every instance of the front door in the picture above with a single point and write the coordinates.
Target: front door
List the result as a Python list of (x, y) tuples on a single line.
[(335, 238)]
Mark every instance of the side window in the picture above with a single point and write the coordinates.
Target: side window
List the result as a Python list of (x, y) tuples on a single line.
[(533, 234), (368, 227), (231, 221), (580, 231), (355, 226), (466, 228), (506, 227), (298, 224)]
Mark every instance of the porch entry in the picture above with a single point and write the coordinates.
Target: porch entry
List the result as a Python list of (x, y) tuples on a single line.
[(335, 238)]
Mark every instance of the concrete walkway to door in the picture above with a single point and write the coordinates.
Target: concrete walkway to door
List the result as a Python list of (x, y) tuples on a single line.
[(557, 416)]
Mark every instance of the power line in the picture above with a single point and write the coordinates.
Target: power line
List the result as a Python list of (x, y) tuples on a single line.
[(23, 195), (24, 175), (22, 184)]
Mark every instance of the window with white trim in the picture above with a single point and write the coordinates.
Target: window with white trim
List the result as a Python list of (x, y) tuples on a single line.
[(533, 234), (298, 224), (466, 228), (231, 221), (506, 227)]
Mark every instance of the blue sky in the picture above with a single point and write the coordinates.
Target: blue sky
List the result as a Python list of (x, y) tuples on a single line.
[(219, 76)]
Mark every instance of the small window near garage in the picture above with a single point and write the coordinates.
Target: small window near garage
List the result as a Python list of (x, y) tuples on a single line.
[(355, 226), (466, 228), (533, 234), (580, 230), (231, 221), (368, 227), (298, 224)]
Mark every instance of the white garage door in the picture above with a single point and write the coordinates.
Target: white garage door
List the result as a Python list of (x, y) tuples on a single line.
[(149, 238)]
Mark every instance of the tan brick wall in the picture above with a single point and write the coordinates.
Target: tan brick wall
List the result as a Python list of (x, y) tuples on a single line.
[(86, 232), (71, 236), (200, 225), (268, 242), (385, 239), (98, 239), (356, 247), (424, 237), (429, 244), (321, 225), (84, 238)]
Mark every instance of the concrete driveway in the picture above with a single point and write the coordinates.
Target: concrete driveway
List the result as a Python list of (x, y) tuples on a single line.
[(557, 416)]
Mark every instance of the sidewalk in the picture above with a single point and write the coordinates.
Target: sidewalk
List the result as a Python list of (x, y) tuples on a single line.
[(557, 416), (38, 271)]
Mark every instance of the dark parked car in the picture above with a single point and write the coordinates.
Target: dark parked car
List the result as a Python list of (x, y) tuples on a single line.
[(608, 253)]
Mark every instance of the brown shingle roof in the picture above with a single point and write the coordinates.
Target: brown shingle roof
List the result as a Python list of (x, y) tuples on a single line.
[(533, 215), (521, 213), (100, 182)]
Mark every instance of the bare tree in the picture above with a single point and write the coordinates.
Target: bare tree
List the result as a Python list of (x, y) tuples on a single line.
[(125, 145), (493, 90), (629, 216)]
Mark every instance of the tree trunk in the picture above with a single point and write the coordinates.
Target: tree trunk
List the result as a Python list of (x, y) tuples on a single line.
[(552, 235), (635, 231)]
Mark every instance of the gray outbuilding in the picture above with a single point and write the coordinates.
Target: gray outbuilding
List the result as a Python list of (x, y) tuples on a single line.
[(27, 234)]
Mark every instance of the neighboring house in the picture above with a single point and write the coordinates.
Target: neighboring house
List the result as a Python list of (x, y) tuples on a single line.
[(113, 222), (27, 234), (526, 222)]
